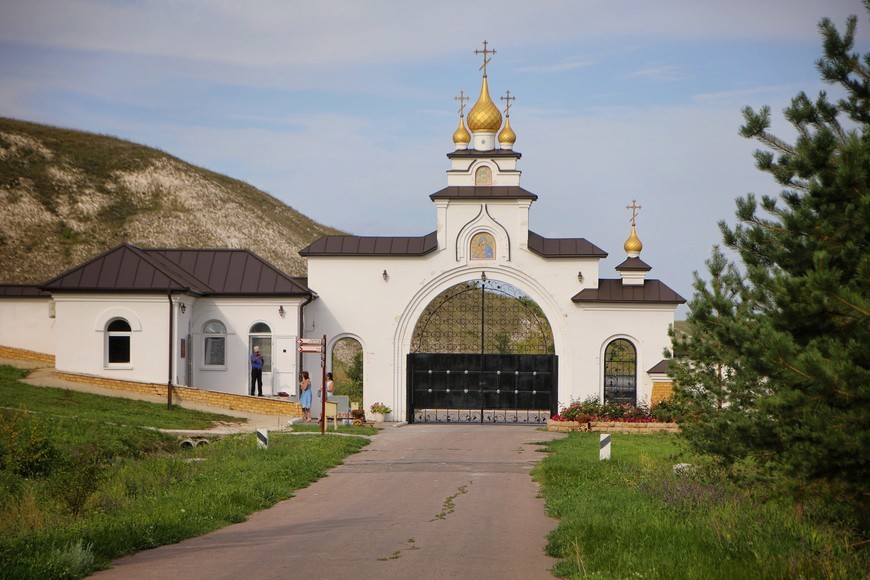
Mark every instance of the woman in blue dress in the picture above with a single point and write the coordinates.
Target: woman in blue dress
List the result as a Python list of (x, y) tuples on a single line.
[(305, 396)]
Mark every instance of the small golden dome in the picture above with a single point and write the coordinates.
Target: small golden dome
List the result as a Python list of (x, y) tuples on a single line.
[(633, 244), (484, 115), (461, 136), (507, 135)]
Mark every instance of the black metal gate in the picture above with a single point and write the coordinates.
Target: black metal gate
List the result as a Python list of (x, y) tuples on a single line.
[(483, 353)]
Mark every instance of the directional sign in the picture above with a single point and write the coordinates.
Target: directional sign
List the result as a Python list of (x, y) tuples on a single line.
[(318, 342), (310, 350)]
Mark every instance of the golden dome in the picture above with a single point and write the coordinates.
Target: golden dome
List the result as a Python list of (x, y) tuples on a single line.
[(633, 244), (484, 115), (461, 136), (507, 135)]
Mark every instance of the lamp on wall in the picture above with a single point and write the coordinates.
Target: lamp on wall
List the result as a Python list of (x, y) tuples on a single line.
[(182, 307), (386, 276), (483, 276), (579, 276), (281, 310)]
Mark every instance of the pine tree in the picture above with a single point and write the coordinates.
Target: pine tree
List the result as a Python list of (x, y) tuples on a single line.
[(777, 362)]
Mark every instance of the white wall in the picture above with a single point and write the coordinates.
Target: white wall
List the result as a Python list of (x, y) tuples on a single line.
[(239, 315), (354, 298), (25, 323), (81, 338)]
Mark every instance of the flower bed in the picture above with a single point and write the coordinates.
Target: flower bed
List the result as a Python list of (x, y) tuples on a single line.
[(593, 415)]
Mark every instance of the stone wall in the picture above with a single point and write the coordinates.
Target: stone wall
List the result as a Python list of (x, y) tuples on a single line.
[(623, 427), (28, 355), (259, 405)]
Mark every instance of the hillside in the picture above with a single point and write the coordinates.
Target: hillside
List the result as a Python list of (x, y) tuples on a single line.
[(66, 196)]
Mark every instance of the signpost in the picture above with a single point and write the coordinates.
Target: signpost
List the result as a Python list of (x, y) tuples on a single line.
[(314, 346)]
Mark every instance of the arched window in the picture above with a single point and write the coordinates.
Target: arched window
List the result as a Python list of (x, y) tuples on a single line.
[(261, 335), (118, 334), (214, 334), (620, 372)]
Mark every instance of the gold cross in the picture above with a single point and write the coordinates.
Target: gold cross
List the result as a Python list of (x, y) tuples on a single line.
[(461, 98), (633, 207), (507, 98), (484, 52)]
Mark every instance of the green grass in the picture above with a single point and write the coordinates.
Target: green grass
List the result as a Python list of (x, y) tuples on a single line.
[(77, 493), (344, 429), (88, 408), (634, 517)]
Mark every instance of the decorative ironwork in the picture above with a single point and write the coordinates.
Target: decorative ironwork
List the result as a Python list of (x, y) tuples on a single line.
[(620, 372), (484, 316), (482, 353)]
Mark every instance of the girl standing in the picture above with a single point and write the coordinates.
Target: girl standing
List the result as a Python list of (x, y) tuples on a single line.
[(305, 396)]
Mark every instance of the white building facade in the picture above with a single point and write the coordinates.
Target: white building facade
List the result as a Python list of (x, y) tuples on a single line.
[(377, 289)]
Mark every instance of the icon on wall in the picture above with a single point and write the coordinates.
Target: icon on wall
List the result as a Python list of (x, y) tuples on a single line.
[(482, 247)]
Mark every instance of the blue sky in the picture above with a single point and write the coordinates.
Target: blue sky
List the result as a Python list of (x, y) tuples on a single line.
[(344, 109)]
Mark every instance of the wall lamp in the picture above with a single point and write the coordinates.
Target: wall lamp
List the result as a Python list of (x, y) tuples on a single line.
[(579, 276), (281, 310), (483, 276), (182, 307), (386, 276)]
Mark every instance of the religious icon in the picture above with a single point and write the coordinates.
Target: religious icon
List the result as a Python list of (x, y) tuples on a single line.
[(483, 176), (482, 247)]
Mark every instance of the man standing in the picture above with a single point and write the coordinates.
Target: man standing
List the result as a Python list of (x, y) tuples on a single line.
[(257, 371)]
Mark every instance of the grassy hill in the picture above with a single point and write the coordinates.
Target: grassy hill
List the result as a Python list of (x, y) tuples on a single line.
[(66, 196)]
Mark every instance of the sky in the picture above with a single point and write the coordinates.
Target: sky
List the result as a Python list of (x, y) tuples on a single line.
[(345, 110)]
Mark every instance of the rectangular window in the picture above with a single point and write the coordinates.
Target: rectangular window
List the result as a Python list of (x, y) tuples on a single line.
[(215, 351), (119, 349)]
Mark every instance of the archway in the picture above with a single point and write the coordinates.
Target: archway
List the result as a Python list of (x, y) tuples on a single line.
[(482, 351), (347, 369)]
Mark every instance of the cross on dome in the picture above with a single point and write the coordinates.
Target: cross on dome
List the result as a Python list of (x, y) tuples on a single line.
[(634, 209), (507, 98), (486, 60), (461, 97)]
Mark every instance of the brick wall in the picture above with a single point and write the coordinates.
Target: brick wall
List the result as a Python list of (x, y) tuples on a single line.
[(258, 405), (22, 354), (660, 391), (623, 427)]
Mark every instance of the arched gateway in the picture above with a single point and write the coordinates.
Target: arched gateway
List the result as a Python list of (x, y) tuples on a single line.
[(482, 352), (484, 320)]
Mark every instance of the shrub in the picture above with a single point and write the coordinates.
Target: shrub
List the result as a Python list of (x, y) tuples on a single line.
[(78, 477), (25, 448)]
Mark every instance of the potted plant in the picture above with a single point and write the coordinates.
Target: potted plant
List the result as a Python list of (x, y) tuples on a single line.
[(379, 411)]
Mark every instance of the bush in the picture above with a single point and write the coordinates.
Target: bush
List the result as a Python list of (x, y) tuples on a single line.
[(25, 448)]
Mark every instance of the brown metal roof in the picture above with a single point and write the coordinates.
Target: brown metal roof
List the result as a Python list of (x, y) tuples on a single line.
[(634, 264), (22, 291), (127, 268), (652, 291), (564, 247), (371, 246), (475, 154), (483, 192), (661, 367)]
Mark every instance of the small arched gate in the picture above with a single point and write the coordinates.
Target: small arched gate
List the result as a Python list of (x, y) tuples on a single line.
[(482, 352)]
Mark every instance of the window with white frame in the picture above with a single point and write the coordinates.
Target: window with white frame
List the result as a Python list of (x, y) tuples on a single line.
[(214, 334), (118, 333)]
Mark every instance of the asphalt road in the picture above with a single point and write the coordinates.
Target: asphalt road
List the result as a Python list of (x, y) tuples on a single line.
[(421, 501)]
